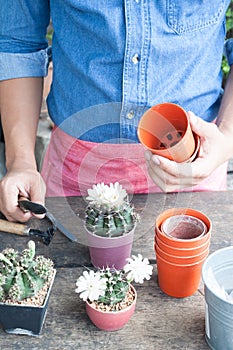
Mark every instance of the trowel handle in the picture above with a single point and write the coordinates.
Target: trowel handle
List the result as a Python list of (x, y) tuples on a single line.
[(13, 227)]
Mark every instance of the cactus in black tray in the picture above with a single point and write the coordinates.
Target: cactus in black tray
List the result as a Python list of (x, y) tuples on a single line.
[(23, 274), (109, 213)]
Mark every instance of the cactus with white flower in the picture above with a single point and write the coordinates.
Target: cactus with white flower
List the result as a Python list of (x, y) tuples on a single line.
[(22, 274), (110, 286), (109, 212)]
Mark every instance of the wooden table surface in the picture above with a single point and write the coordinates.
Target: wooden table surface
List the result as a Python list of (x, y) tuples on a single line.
[(160, 322)]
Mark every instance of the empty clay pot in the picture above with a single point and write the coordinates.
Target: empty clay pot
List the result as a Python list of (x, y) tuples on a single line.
[(183, 227), (183, 243), (165, 130)]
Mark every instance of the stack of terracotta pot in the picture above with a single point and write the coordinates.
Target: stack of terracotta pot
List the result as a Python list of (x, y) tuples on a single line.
[(182, 239)]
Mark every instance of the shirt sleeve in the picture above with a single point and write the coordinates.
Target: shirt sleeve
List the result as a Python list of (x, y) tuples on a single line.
[(228, 50), (24, 49), (16, 65)]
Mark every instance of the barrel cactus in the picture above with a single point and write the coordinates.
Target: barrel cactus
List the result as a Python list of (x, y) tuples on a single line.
[(109, 212), (23, 274)]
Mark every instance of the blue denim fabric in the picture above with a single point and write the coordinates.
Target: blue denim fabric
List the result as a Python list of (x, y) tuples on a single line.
[(128, 55)]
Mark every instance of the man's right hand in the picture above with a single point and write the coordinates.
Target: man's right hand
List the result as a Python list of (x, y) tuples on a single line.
[(20, 182)]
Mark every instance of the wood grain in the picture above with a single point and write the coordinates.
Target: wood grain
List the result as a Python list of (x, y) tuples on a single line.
[(160, 322)]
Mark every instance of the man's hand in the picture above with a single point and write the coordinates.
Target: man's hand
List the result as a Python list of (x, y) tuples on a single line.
[(215, 149), (20, 182)]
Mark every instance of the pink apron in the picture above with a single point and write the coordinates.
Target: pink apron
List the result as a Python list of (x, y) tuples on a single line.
[(72, 166)]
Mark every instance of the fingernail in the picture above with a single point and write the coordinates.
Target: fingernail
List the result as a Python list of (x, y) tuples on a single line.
[(156, 160), (147, 155)]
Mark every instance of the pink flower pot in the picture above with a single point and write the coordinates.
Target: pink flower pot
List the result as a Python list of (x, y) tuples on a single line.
[(110, 251), (111, 320)]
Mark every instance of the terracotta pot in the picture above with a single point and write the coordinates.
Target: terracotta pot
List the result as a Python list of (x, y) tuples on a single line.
[(178, 281), (183, 243), (110, 251), (111, 320), (183, 227), (181, 251), (181, 260), (165, 130)]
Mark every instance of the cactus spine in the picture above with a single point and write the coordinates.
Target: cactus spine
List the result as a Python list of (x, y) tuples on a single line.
[(22, 275), (117, 287), (111, 223)]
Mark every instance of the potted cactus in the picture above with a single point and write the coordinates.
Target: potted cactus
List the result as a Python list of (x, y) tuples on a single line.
[(25, 284), (109, 295), (110, 221)]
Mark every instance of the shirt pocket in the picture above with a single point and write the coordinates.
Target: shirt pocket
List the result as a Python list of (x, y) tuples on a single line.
[(188, 16)]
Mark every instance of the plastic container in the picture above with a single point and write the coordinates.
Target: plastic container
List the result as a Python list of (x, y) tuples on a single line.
[(219, 312)]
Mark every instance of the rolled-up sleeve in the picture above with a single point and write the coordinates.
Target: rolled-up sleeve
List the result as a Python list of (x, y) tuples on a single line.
[(24, 49), (16, 65), (228, 50)]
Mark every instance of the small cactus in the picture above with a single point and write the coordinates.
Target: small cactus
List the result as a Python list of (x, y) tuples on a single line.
[(116, 287), (23, 275), (109, 213)]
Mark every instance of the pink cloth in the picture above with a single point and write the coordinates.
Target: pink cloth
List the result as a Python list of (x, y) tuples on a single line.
[(72, 166)]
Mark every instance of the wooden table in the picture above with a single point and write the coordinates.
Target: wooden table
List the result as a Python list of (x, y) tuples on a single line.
[(160, 322)]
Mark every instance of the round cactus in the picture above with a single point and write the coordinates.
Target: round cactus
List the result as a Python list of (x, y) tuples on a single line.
[(109, 213)]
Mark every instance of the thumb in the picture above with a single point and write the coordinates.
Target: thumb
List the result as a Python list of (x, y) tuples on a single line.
[(200, 127)]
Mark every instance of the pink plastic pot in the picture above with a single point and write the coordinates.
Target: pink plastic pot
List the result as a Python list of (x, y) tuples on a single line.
[(110, 251), (165, 130), (111, 321)]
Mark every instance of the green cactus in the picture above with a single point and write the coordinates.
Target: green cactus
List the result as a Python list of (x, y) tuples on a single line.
[(22, 275), (117, 287), (111, 222)]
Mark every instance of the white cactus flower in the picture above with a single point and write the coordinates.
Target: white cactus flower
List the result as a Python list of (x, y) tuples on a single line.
[(91, 285), (138, 269), (111, 196)]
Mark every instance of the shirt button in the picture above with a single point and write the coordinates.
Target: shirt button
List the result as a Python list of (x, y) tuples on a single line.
[(135, 59), (130, 115)]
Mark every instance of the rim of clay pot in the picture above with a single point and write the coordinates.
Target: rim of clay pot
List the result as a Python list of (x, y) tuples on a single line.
[(196, 150), (187, 243), (182, 265), (181, 251), (170, 224), (173, 120), (181, 260), (120, 311)]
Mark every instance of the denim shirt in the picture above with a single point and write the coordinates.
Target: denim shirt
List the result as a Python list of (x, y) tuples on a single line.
[(112, 60)]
